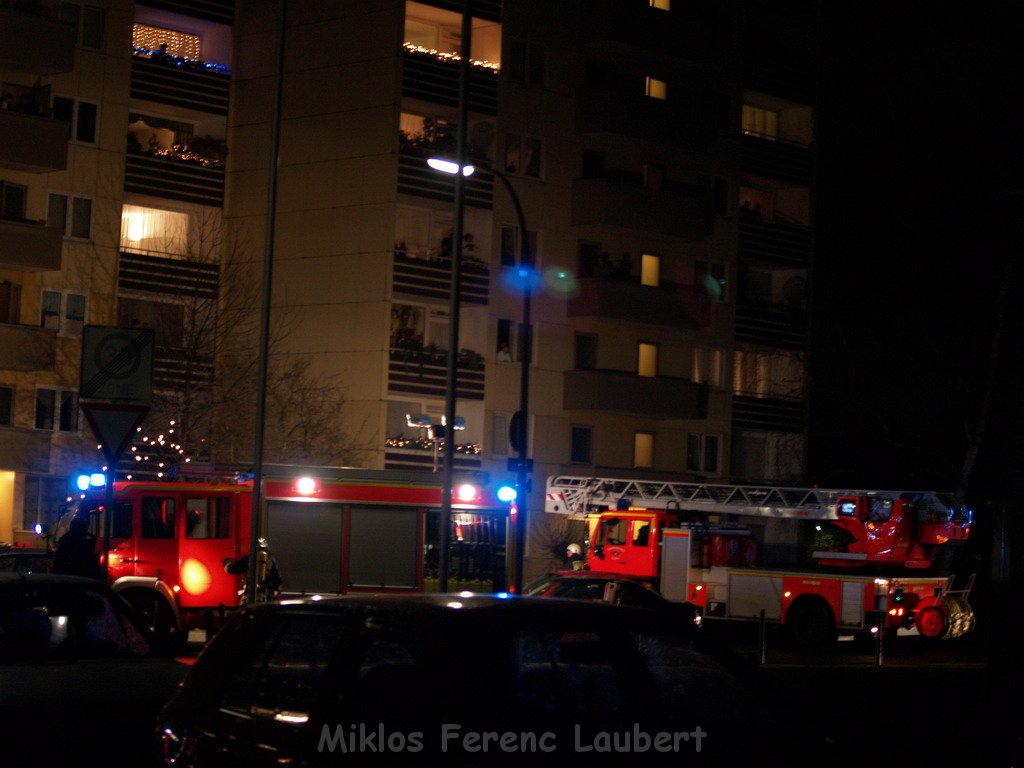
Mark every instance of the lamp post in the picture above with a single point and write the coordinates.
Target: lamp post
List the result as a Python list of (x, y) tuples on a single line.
[(519, 431)]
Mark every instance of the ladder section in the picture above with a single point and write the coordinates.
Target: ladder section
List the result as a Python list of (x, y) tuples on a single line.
[(578, 496)]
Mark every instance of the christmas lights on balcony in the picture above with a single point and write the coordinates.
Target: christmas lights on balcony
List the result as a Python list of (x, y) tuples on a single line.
[(446, 56)]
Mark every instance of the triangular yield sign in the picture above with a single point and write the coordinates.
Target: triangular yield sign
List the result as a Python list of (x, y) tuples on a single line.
[(114, 424)]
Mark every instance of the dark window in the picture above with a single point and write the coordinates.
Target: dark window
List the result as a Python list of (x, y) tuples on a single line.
[(85, 125), (12, 204), (593, 164), (121, 522), (6, 406), (720, 196), (57, 216), (68, 410), (581, 439), (46, 408), (525, 62), (208, 518), (63, 108), (586, 352), (157, 518), (81, 218)]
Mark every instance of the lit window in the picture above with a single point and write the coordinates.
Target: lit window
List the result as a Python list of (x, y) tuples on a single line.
[(643, 450), (760, 122), (661, 5), (656, 89), (647, 360), (707, 366), (650, 270), (150, 230), (522, 155), (179, 44)]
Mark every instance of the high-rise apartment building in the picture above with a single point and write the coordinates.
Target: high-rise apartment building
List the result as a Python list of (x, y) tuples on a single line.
[(661, 152)]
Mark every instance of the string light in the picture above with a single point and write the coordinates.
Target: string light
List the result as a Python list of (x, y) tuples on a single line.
[(446, 56)]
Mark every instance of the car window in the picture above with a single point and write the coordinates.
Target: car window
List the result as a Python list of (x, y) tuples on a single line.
[(278, 677), (635, 595), (68, 622)]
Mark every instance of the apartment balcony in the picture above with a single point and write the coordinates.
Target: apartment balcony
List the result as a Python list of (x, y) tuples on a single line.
[(27, 348), (431, 279), (36, 41), (166, 83), (777, 159), (30, 246), (424, 371), (220, 11), (436, 80), (415, 177), (772, 325), (162, 274), (691, 119), (790, 79), (768, 414), (626, 393), (32, 143), (669, 304), (688, 32), (176, 368), (174, 179), (25, 450), (676, 210), (775, 243)]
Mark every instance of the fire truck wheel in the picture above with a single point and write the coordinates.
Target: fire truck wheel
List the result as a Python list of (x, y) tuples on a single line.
[(811, 625), (932, 622)]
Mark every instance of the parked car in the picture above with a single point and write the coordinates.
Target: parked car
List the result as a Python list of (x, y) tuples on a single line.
[(463, 680), (21, 560), (615, 588), (81, 678)]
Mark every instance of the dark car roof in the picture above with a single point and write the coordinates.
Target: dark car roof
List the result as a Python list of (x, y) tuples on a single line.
[(10, 579)]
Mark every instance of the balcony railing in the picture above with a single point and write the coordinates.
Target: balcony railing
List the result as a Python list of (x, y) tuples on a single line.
[(429, 78), (687, 32), (767, 414), (36, 42), (776, 243), (174, 179), (25, 450), (691, 120), (419, 371), (161, 274), (30, 246), (776, 159), (415, 177), (677, 211), (165, 83), (27, 348), (670, 304), (624, 392), (176, 368), (397, 458), (788, 79), (771, 325), (432, 279), (32, 143)]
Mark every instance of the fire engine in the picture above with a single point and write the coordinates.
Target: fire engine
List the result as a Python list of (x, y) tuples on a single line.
[(329, 530), (749, 552)]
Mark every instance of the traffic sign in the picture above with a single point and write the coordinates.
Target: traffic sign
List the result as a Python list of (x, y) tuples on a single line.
[(117, 363), (114, 424)]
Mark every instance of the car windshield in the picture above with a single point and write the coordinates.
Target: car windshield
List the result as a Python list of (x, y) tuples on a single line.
[(40, 622)]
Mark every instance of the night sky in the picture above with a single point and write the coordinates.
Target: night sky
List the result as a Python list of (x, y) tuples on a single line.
[(919, 191)]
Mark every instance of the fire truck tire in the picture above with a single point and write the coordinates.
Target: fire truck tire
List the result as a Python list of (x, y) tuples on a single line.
[(158, 616), (811, 624), (932, 622)]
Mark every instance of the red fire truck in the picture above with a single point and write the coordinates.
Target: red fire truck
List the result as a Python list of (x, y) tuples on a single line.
[(329, 530), (749, 552)]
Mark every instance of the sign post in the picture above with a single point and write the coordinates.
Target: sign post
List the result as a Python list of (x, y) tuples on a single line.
[(117, 365)]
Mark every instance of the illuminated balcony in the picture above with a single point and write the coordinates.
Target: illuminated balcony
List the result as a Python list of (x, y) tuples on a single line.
[(27, 348), (174, 179), (670, 304), (415, 177), (165, 83), (625, 392), (427, 77), (29, 246), (36, 42), (773, 325), (431, 279)]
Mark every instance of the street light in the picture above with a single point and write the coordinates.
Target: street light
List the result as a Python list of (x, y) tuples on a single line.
[(518, 429)]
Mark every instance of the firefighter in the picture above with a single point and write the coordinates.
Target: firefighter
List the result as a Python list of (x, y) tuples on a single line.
[(268, 577), (574, 553), (76, 551)]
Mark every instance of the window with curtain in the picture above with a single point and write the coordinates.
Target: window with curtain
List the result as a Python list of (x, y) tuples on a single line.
[(643, 450), (151, 230)]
